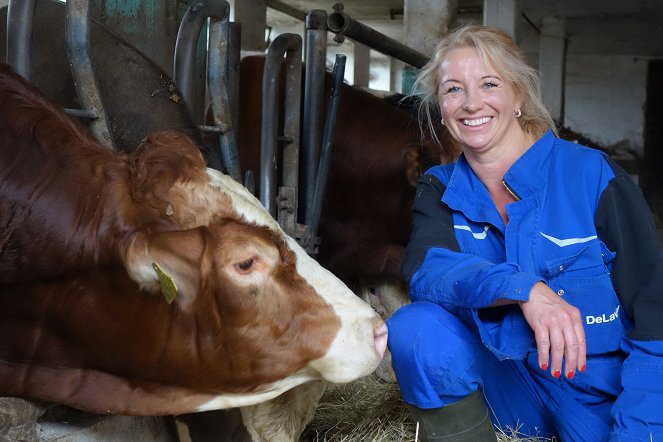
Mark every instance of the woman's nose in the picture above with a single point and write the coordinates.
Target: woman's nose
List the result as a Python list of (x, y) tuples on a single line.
[(472, 101)]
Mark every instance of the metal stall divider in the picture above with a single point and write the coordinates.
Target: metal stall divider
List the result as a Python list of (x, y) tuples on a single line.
[(285, 211), (20, 18), (217, 11), (77, 30), (343, 26)]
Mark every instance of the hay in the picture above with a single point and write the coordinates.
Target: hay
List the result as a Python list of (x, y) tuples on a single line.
[(368, 410)]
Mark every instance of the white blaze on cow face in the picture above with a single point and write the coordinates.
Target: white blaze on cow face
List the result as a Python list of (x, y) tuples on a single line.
[(361, 341)]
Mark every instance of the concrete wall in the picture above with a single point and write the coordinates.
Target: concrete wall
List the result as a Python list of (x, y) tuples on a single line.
[(605, 99)]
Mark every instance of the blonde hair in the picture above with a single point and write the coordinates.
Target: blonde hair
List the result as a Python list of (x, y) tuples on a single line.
[(498, 50)]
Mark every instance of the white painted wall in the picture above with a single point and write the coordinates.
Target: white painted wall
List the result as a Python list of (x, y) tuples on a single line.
[(605, 99)]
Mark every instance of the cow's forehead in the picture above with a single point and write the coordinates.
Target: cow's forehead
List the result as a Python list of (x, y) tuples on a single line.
[(243, 201)]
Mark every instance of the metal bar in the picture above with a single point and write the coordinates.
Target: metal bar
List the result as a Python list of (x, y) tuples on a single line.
[(343, 25), (232, 75), (20, 14), (328, 138), (292, 116), (316, 54), (77, 30), (185, 48), (80, 113), (218, 12), (217, 72), (292, 44)]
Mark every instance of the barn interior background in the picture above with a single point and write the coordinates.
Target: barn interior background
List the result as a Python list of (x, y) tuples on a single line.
[(600, 60)]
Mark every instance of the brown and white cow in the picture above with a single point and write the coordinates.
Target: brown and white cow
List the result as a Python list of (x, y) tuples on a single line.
[(89, 239)]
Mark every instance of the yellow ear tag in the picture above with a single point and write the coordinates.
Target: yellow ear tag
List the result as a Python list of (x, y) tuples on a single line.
[(168, 286)]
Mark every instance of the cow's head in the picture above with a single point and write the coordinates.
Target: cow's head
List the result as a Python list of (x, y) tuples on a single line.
[(268, 311)]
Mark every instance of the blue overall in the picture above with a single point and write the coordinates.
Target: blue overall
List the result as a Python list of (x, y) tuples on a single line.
[(580, 225)]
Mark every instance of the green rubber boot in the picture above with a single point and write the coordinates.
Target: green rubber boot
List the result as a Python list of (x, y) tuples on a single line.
[(464, 421)]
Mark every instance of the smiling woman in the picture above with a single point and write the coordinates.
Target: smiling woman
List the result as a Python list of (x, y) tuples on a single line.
[(524, 268)]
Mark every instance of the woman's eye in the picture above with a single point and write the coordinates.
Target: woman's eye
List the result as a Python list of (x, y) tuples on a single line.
[(489, 85), (245, 265), (453, 90)]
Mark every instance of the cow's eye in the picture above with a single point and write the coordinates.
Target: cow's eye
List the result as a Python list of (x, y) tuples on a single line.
[(245, 265)]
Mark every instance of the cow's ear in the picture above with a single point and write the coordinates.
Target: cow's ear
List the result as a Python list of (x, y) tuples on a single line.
[(168, 263), (412, 164)]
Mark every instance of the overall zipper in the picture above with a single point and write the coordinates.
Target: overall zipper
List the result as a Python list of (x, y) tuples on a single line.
[(511, 191)]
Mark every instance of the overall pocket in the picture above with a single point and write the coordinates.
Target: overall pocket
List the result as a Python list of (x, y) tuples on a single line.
[(583, 280)]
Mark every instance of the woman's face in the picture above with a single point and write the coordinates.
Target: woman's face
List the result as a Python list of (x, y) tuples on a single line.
[(477, 103)]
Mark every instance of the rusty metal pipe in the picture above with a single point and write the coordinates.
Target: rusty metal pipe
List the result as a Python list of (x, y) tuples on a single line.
[(343, 25)]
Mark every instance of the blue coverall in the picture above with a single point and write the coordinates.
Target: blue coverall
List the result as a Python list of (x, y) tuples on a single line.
[(579, 224)]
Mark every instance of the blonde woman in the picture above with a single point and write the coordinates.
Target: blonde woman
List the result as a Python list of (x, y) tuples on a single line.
[(534, 268)]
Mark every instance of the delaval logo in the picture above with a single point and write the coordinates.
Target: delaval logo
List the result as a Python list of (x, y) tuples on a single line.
[(589, 319)]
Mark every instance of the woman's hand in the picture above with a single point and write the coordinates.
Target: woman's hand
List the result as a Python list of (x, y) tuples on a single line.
[(558, 330)]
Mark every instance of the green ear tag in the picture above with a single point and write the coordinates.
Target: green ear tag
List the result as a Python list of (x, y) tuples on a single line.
[(168, 286)]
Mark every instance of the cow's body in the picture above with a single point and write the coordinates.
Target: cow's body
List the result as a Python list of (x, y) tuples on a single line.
[(253, 316)]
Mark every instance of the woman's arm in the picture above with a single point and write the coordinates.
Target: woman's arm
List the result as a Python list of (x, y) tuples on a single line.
[(624, 223), (437, 271)]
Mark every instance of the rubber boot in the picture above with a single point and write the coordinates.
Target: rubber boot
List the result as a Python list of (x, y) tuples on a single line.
[(466, 420)]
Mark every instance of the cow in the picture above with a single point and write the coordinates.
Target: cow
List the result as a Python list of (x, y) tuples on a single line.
[(145, 283)]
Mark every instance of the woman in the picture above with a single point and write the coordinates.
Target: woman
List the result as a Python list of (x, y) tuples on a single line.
[(534, 268)]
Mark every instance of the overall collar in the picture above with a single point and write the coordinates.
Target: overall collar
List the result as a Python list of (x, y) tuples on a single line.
[(466, 193)]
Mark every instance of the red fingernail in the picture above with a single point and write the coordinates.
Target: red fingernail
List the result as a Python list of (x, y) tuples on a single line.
[(582, 369), (544, 367), (570, 374), (557, 374)]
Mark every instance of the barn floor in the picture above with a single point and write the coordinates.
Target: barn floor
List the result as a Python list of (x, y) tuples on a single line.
[(26, 421), (367, 410)]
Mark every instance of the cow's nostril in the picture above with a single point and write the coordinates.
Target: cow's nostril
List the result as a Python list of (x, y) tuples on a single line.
[(380, 335)]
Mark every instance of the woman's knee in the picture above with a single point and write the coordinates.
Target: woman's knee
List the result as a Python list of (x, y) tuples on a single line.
[(433, 354), (422, 328)]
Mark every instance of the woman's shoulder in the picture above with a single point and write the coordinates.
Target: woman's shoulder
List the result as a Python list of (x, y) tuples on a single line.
[(574, 151), (442, 171), (582, 164)]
